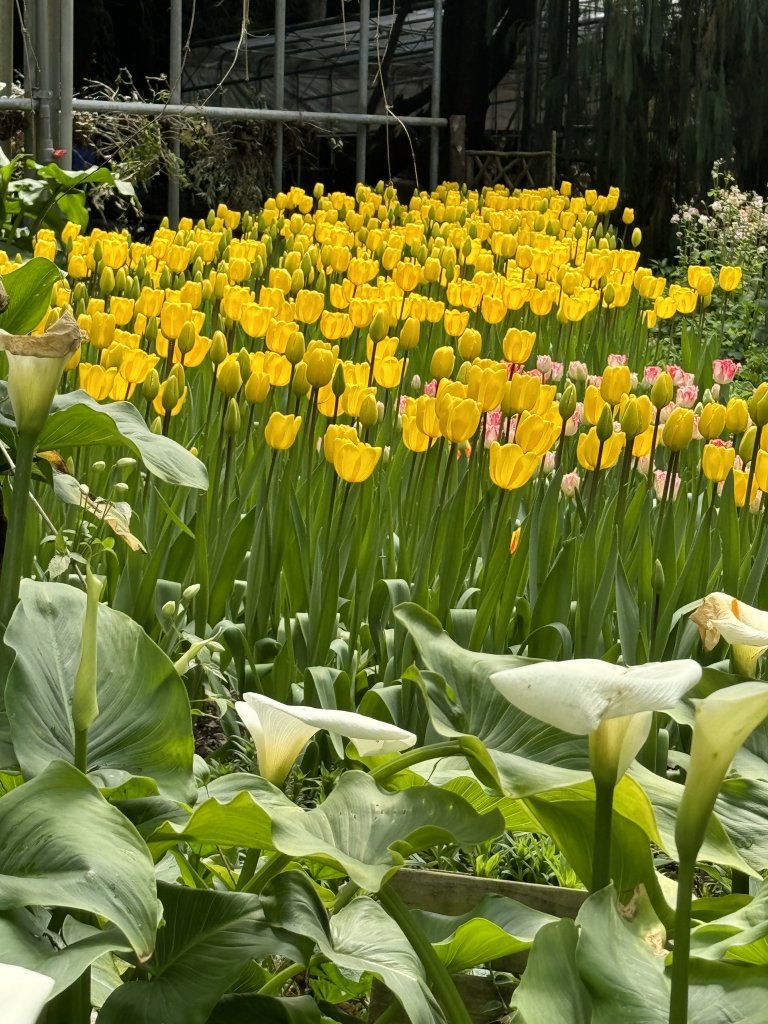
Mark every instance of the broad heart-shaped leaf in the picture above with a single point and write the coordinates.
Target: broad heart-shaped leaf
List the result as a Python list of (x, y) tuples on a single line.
[(29, 295), (22, 944), (361, 937), (144, 722), (551, 989), (63, 845), (360, 828), (741, 936), (236, 1009), (621, 961), (528, 756), (567, 815), (78, 421), (496, 927), (206, 940)]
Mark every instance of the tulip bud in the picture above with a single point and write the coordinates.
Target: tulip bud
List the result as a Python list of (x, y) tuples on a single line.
[(244, 362), (442, 362), (604, 425), (637, 237), (187, 337), (409, 334), (338, 384), (747, 445), (256, 388), (229, 379), (630, 419), (218, 350), (232, 419), (662, 391), (300, 386), (567, 405), (107, 281), (170, 394), (379, 327), (151, 386), (470, 344), (369, 412), (657, 577), (758, 406)]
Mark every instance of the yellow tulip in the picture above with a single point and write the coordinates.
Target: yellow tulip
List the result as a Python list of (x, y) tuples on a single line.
[(588, 448), (96, 380), (335, 433), (521, 393), (254, 319), (459, 419), (309, 306), (102, 329), (510, 466), (173, 316), (355, 461), (121, 309), (442, 362), (388, 371), (455, 322), (740, 484), (281, 431), (677, 431), (426, 416), (594, 403), (518, 345), (534, 434), (712, 421), (413, 438), (717, 461), (736, 415), (729, 279), (486, 386), (616, 381)]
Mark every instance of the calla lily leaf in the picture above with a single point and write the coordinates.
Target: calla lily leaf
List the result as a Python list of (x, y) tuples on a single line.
[(29, 295), (360, 828), (551, 988), (741, 936), (144, 724)]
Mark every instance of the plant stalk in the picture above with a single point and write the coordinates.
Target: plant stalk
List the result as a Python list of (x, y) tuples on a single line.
[(13, 555), (601, 864), (678, 1000)]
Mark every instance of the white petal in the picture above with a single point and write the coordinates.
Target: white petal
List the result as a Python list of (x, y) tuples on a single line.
[(613, 746), (577, 695), (23, 994), (279, 737), (735, 631)]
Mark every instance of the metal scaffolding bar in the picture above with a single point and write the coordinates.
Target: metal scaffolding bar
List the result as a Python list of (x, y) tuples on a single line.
[(174, 77), (437, 68), (362, 86), (66, 88), (279, 89), (44, 91)]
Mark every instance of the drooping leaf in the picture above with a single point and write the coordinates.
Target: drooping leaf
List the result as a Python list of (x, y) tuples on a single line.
[(63, 845), (235, 1009), (551, 989), (144, 722), (29, 295), (78, 421)]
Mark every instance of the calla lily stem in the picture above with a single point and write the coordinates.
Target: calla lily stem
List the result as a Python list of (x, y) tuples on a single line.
[(451, 1002), (678, 1001), (13, 555), (601, 865), (451, 748)]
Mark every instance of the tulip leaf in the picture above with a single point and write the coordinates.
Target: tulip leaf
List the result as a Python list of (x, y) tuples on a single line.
[(144, 722), (528, 756), (361, 829), (92, 858), (495, 928), (207, 939), (22, 944), (78, 421), (551, 989), (29, 295)]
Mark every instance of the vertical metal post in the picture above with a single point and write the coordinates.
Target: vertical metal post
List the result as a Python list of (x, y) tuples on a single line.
[(6, 55), (44, 92), (437, 70), (67, 65), (174, 75), (362, 86), (279, 90)]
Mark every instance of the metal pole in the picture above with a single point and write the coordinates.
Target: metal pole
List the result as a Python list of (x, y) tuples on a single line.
[(174, 74), (67, 65), (161, 110), (437, 70), (44, 94), (279, 89), (362, 85), (6, 56)]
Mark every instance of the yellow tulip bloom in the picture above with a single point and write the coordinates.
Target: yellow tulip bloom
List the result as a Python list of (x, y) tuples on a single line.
[(588, 448), (355, 461), (510, 466), (281, 431)]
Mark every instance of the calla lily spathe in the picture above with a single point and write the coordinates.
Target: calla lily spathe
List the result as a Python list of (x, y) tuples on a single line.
[(577, 696), (720, 615), (280, 732), (24, 994)]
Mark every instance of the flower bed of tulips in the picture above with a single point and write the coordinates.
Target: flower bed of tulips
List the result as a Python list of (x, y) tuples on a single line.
[(343, 470)]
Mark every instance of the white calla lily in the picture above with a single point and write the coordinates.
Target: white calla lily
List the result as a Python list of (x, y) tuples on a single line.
[(576, 696), (746, 628), (722, 722), (35, 365), (23, 994), (281, 731)]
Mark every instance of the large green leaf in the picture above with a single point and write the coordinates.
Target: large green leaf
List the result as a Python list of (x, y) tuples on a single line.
[(22, 943), (568, 816), (78, 421), (551, 989), (29, 295), (496, 927), (63, 845), (740, 936), (207, 939), (236, 1009), (360, 828), (361, 937), (144, 721), (528, 755)]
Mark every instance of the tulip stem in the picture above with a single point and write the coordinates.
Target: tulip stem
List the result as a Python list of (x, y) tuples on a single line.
[(678, 1000), (13, 555), (601, 864), (752, 467), (451, 1002)]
